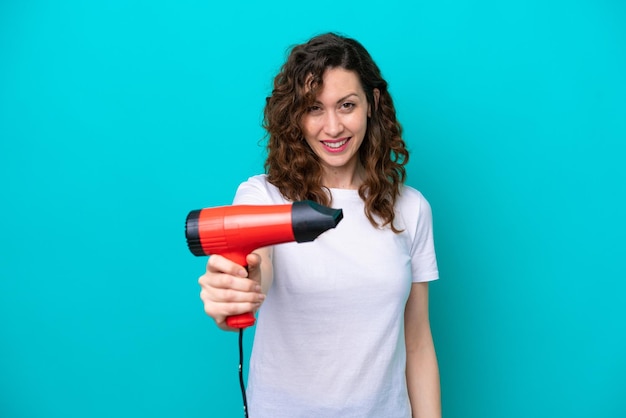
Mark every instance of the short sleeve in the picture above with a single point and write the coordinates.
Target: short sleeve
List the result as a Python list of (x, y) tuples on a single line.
[(423, 258), (257, 191)]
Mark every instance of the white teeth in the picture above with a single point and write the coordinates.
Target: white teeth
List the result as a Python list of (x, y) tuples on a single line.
[(335, 144)]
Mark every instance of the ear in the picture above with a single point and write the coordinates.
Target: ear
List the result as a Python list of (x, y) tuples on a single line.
[(376, 99)]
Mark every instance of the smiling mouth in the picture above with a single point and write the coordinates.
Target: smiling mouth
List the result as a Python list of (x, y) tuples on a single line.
[(336, 144)]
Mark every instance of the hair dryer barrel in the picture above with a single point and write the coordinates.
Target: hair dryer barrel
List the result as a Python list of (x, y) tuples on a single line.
[(235, 231), (240, 229)]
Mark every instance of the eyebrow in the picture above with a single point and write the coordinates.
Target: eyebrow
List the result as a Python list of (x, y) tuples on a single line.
[(346, 96), (343, 98)]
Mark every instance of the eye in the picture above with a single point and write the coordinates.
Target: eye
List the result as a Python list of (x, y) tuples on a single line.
[(314, 109), (347, 106)]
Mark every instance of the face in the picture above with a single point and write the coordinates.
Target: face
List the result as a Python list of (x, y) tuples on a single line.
[(335, 125)]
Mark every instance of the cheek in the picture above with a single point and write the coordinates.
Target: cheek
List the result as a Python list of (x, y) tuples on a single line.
[(309, 128), (358, 122)]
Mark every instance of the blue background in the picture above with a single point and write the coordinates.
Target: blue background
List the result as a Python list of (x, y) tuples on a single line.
[(118, 117)]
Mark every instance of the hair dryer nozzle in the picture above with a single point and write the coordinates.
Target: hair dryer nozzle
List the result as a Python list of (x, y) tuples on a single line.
[(310, 219)]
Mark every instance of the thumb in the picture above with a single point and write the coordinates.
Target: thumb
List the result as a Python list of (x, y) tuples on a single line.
[(254, 267)]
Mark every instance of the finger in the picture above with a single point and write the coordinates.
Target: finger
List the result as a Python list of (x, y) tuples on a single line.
[(220, 264), (253, 260), (219, 304), (220, 311), (254, 267), (226, 281), (232, 290), (215, 295), (230, 309)]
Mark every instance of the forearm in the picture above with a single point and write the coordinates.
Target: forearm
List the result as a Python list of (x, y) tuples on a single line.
[(422, 374), (267, 268), (422, 370)]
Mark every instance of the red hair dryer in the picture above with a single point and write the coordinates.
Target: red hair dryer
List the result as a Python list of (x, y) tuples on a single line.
[(235, 231)]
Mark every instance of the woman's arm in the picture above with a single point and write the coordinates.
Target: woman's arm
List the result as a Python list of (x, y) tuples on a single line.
[(266, 268), (422, 370)]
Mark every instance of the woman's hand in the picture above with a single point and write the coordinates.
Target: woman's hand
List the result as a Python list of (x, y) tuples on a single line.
[(228, 289)]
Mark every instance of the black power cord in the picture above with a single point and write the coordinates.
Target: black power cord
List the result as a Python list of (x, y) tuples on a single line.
[(241, 383)]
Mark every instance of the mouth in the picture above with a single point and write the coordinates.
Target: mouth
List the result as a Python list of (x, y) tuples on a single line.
[(336, 145)]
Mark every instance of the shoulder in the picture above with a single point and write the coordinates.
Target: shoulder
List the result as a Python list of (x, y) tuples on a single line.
[(257, 190), (258, 181), (412, 209), (411, 200)]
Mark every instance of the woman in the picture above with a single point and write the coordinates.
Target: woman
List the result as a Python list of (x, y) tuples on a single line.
[(344, 328)]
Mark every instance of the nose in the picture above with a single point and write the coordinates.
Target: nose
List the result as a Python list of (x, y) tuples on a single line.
[(333, 125)]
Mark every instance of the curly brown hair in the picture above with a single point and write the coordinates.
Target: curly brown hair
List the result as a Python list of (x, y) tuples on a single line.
[(293, 167)]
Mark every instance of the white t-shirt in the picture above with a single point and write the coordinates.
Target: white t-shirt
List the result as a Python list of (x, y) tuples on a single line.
[(329, 339)]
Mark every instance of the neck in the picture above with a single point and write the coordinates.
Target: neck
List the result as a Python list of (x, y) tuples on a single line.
[(337, 178)]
